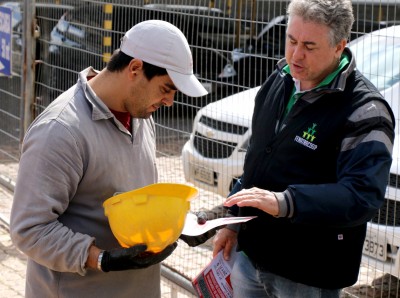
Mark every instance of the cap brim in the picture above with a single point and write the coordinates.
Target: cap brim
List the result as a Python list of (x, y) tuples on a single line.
[(187, 84)]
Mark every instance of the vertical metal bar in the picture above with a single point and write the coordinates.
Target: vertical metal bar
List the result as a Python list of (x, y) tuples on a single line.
[(28, 66), (238, 23)]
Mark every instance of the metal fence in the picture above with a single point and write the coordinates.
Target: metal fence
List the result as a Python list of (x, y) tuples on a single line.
[(53, 40)]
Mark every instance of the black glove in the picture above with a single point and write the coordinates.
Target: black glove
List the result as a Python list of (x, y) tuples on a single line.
[(202, 219), (200, 239), (133, 257)]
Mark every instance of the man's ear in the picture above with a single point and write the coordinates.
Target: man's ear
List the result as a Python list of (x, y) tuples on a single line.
[(134, 66), (340, 47)]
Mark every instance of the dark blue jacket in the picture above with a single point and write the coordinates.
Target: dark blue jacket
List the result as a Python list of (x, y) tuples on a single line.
[(331, 157)]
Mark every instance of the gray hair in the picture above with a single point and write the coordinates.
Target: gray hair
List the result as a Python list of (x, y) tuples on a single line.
[(336, 14)]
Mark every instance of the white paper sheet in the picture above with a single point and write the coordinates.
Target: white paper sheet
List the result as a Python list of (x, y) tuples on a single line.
[(192, 228)]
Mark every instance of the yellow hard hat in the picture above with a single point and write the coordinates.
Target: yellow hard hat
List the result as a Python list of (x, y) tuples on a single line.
[(154, 214)]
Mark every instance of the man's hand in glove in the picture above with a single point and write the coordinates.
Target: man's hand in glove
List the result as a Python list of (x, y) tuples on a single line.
[(200, 239), (202, 219), (197, 240), (133, 257)]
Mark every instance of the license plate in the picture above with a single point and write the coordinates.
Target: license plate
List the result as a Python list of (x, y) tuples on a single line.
[(204, 175), (375, 246)]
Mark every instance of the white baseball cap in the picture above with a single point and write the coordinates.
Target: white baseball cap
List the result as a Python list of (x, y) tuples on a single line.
[(164, 45)]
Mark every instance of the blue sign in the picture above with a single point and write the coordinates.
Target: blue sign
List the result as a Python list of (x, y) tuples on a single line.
[(5, 40)]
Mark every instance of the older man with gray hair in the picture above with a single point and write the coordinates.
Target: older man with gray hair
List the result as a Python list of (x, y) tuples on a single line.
[(317, 165)]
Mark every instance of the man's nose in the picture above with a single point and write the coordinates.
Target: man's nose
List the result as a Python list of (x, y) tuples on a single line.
[(168, 100), (298, 52)]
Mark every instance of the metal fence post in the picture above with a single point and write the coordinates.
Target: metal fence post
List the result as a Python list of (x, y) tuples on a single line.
[(28, 66)]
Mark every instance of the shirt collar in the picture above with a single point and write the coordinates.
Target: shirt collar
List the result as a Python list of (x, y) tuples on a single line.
[(344, 61), (99, 109)]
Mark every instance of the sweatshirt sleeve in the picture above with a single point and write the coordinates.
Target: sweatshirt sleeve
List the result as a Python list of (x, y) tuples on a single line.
[(363, 168), (50, 169)]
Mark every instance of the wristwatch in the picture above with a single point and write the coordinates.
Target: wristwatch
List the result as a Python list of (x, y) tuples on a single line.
[(99, 260)]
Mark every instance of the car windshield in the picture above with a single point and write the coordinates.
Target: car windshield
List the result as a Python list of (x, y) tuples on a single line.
[(378, 58)]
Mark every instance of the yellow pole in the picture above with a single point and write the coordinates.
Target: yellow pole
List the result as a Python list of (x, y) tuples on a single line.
[(253, 18), (228, 7), (380, 12), (107, 40)]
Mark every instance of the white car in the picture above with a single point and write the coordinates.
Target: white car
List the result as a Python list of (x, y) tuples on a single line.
[(214, 155), (378, 58)]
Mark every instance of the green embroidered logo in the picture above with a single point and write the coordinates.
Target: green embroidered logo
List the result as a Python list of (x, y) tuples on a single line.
[(308, 137), (309, 134)]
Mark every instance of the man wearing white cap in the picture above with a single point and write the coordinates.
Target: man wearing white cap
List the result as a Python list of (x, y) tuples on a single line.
[(95, 139)]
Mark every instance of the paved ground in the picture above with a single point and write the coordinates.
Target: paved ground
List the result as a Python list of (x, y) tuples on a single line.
[(12, 267), (12, 262)]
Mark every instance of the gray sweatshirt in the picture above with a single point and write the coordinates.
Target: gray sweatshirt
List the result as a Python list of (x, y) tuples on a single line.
[(75, 155)]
